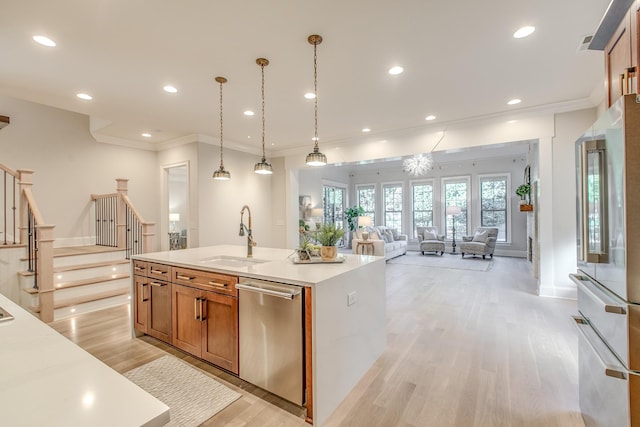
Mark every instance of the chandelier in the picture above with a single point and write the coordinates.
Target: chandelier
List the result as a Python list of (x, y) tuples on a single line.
[(418, 165)]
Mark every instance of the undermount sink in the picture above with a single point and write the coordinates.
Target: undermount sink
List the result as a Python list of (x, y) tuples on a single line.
[(232, 261)]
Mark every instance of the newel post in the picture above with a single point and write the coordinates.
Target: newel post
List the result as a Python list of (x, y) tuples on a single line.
[(148, 235), (45, 271), (25, 178), (121, 220)]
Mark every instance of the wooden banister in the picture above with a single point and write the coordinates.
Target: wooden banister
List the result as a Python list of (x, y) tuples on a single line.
[(11, 172)]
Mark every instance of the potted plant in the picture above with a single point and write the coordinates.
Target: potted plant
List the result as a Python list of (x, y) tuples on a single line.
[(523, 191), (352, 215), (328, 236)]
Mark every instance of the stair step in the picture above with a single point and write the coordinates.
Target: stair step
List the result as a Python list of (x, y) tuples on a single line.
[(91, 281), (89, 265), (80, 255), (90, 271), (86, 299), (83, 250)]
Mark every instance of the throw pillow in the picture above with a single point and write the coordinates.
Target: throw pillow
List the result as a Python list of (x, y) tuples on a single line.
[(395, 233), (373, 235), (389, 235), (429, 235), (481, 236)]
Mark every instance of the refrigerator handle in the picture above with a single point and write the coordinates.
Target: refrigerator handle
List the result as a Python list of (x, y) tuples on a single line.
[(608, 302), (594, 199), (609, 369)]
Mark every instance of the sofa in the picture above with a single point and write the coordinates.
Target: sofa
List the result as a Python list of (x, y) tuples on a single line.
[(387, 242)]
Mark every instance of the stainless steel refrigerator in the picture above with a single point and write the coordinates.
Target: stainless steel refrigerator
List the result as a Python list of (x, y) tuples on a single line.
[(608, 274)]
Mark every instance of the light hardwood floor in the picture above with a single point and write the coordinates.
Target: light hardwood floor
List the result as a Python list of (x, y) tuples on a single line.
[(464, 348)]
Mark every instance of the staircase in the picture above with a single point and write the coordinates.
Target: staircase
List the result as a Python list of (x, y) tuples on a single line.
[(85, 278)]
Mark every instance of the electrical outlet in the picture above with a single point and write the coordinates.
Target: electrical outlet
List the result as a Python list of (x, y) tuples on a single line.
[(351, 298)]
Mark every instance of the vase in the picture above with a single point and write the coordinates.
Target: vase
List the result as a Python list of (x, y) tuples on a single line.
[(328, 253)]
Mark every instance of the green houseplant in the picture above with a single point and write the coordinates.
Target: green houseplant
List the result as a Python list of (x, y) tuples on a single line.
[(523, 190), (352, 215), (328, 236)]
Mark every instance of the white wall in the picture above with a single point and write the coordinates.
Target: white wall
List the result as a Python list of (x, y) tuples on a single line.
[(220, 202), (70, 165)]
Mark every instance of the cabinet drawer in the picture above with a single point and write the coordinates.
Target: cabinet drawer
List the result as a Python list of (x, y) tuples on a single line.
[(205, 280), (140, 268), (159, 271)]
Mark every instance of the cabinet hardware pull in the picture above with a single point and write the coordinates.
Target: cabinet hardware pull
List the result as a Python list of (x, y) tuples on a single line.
[(181, 277), (195, 309), (615, 309), (158, 271), (138, 268), (202, 318), (219, 285), (621, 83), (157, 284), (143, 297), (615, 373)]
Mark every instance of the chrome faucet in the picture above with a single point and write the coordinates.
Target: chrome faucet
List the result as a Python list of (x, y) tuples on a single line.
[(250, 242)]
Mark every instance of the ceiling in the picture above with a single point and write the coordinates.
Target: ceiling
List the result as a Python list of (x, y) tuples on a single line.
[(460, 62)]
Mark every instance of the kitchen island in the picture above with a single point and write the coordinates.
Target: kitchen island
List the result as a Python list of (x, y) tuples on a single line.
[(47, 380), (344, 309)]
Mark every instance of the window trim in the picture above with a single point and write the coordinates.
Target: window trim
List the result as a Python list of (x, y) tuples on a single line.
[(412, 183), (443, 201), (509, 219), (402, 210), (375, 199)]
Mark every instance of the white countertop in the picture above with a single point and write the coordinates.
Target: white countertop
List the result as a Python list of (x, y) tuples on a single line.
[(46, 380), (278, 267)]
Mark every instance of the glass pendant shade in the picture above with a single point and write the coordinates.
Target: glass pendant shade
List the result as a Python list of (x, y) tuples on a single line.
[(263, 168), (316, 158), (221, 174)]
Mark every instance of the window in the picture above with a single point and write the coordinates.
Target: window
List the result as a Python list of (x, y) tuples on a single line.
[(456, 193), (493, 204), (333, 204), (422, 202), (393, 206), (367, 199)]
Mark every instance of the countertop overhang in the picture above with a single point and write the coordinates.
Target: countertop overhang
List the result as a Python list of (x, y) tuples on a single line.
[(278, 265)]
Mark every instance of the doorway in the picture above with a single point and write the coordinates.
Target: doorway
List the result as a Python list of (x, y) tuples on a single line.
[(178, 205)]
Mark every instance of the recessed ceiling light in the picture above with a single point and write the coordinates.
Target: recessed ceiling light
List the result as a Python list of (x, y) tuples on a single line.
[(44, 41), (366, 130), (273, 143), (146, 135), (430, 117), (315, 139), (396, 70), (514, 101), (84, 96), (309, 95), (170, 89), (248, 113), (524, 32)]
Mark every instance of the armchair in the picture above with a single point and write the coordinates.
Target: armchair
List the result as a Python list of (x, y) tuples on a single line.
[(483, 242), (430, 240)]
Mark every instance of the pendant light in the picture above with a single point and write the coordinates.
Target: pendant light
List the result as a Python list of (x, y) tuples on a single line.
[(221, 174), (263, 168), (315, 158)]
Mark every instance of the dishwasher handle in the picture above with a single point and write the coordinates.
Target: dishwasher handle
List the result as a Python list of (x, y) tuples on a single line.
[(286, 295)]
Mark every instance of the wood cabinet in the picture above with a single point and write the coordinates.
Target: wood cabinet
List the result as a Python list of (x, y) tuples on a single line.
[(205, 316), (621, 58), (152, 300)]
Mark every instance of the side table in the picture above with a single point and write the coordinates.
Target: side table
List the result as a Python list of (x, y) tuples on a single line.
[(365, 248)]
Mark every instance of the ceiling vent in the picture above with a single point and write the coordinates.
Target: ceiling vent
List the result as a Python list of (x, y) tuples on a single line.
[(4, 120), (584, 43)]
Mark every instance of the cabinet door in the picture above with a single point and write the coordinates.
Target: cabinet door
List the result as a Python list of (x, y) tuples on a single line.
[(220, 331), (619, 58), (159, 325), (140, 303), (186, 309)]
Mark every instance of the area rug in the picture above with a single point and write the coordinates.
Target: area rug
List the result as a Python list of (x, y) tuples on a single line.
[(192, 396), (444, 261)]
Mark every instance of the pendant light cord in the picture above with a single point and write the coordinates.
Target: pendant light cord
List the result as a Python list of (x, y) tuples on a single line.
[(221, 140), (263, 127), (315, 91)]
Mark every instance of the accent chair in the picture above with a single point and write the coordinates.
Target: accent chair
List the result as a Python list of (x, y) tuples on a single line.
[(483, 242), (430, 240)]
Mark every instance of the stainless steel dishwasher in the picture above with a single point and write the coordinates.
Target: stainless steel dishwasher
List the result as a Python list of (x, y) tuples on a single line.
[(271, 337)]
